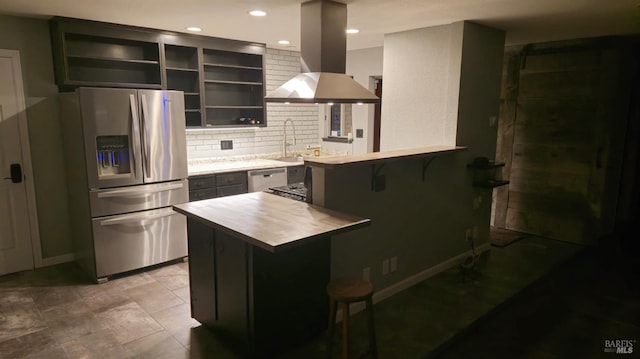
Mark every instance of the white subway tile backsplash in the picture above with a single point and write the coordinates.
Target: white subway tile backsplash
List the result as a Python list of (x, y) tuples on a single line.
[(280, 66)]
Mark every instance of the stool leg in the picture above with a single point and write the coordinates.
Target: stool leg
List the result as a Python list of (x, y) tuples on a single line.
[(330, 327), (372, 329), (345, 330)]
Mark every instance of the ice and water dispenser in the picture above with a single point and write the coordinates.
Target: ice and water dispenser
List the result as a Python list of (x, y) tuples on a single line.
[(113, 155)]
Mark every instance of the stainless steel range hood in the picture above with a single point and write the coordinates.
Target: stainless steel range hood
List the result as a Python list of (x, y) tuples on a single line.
[(323, 52)]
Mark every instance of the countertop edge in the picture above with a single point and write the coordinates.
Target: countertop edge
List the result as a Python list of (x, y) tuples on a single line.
[(379, 157), (355, 223), (213, 171)]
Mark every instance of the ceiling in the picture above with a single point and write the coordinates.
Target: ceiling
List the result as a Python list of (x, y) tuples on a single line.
[(524, 21)]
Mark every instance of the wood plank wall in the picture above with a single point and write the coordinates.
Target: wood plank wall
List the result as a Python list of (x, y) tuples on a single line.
[(564, 112)]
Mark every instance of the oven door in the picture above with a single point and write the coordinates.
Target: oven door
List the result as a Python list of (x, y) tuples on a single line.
[(136, 240)]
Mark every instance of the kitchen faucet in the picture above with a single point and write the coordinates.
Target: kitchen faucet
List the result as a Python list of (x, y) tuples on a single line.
[(284, 141)]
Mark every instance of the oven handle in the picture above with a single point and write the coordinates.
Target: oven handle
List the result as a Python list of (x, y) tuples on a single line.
[(138, 218), (139, 192)]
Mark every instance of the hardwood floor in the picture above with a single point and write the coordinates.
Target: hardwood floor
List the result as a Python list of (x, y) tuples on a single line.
[(535, 298)]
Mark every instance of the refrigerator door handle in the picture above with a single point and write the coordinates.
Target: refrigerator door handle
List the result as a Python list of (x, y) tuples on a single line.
[(146, 139), (138, 192), (135, 133), (137, 218)]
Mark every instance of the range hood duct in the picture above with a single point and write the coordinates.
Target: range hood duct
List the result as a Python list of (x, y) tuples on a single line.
[(323, 53)]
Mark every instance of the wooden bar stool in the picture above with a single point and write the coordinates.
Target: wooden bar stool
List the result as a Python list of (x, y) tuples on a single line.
[(347, 291)]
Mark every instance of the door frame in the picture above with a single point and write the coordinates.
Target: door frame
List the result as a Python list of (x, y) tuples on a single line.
[(27, 168)]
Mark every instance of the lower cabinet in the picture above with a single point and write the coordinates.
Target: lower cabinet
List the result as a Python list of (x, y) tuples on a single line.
[(263, 299), (217, 185)]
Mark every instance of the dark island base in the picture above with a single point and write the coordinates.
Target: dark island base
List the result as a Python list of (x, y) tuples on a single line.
[(268, 301)]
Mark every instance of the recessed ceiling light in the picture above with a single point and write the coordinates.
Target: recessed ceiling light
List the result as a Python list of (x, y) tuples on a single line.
[(257, 13), (352, 31), (194, 28), (284, 42)]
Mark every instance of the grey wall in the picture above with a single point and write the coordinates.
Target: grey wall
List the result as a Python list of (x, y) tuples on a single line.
[(423, 223), (31, 38)]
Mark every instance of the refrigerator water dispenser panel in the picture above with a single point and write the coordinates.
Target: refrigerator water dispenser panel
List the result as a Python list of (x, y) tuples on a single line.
[(113, 155)]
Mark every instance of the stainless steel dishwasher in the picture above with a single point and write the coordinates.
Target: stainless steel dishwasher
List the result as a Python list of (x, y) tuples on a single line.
[(261, 180)]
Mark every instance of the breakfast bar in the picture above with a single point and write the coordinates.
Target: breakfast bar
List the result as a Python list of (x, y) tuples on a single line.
[(259, 264)]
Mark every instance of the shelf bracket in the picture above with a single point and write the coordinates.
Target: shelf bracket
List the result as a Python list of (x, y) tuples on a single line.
[(375, 184), (425, 164)]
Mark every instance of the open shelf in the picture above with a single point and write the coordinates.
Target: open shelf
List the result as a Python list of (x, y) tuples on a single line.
[(484, 173), (490, 183), (222, 79)]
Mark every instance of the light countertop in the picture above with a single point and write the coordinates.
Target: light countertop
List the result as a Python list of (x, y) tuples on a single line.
[(268, 221), (212, 167), (380, 157)]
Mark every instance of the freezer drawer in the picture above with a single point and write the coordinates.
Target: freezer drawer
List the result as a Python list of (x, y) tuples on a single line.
[(110, 201), (136, 240)]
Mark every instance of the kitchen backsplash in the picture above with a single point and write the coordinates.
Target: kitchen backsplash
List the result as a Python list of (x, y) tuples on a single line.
[(280, 66)]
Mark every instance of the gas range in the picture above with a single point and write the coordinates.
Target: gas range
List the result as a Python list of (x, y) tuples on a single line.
[(295, 191)]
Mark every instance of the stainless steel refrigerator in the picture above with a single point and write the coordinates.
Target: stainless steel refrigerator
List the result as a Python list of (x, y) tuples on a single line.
[(126, 162)]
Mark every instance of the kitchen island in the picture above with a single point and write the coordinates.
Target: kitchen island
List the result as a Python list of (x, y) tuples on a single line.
[(259, 264)]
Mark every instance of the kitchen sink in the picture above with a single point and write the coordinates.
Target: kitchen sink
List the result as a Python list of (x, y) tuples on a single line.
[(290, 159)]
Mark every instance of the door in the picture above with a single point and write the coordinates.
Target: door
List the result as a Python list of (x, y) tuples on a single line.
[(566, 145), (15, 235), (164, 142), (111, 127)]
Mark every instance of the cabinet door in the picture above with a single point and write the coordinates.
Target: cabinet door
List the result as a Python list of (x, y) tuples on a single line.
[(232, 277), (202, 272)]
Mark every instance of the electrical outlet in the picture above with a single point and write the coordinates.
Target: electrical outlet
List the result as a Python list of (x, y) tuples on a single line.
[(385, 267), (393, 265), (366, 273)]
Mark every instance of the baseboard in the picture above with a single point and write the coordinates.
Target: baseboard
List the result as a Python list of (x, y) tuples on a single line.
[(50, 261), (398, 287)]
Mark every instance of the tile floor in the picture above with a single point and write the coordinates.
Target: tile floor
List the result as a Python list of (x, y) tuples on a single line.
[(54, 312)]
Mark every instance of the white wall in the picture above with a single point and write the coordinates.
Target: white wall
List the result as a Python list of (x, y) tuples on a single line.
[(420, 87), (280, 66), (31, 38), (364, 65)]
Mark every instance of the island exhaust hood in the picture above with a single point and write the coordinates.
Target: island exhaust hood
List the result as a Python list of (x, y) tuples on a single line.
[(323, 53)]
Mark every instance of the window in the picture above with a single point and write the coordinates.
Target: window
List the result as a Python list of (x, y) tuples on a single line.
[(339, 122)]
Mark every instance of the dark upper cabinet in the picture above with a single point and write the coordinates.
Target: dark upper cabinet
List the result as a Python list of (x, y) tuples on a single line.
[(222, 79)]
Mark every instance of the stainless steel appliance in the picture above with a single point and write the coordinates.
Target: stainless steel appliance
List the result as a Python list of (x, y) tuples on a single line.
[(295, 191), (260, 180), (126, 161)]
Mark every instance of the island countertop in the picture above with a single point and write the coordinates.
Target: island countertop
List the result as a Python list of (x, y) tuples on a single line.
[(380, 157), (268, 221)]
